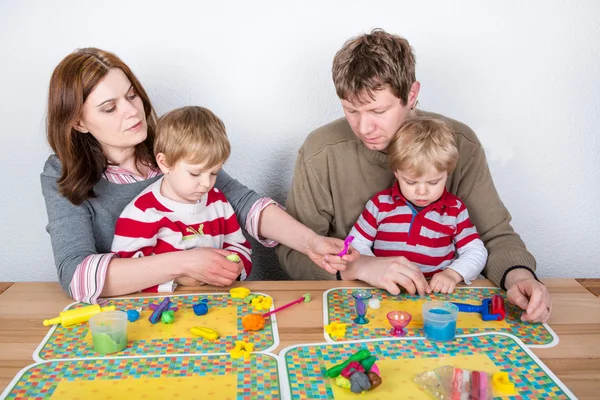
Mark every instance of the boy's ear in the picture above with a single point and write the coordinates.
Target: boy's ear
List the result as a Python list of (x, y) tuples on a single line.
[(161, 160), (396, 175)]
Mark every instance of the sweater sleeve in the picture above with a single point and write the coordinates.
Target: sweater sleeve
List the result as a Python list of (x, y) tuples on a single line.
[(310, 203), (81, 270), (476, 189), (239, 196)]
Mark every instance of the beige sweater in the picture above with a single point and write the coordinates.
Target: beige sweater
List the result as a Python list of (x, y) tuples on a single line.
[(335, 176)]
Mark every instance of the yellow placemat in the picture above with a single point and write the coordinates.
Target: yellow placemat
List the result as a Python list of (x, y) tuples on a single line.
[(208, 386)]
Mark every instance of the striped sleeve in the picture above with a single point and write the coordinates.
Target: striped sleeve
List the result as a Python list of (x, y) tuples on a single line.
[(253, 219), (89, 278), (365, 229), (465, 230)]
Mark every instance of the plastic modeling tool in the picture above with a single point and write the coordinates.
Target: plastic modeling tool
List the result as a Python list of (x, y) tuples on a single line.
[(347, 242), (490, 309), (78, 315), (255, 322)]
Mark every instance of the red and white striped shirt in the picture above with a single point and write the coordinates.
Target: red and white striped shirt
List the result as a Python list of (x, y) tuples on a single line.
[(88, 281), (391, 226), (153, 224)]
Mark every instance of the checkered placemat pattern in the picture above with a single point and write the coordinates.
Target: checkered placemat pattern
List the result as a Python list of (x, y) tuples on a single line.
[(306, 364), (257, 378), (340, 308), (70, 343)]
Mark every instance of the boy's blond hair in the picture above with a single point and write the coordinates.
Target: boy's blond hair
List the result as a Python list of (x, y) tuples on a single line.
[(192, 134), (372, 62), (421, 143)]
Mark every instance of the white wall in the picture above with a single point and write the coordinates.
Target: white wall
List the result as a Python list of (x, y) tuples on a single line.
[(525, 75)]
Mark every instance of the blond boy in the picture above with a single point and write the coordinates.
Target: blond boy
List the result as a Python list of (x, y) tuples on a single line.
[(417, 218), (183, 210)]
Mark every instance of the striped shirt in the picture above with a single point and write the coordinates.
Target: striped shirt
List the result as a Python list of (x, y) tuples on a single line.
[(153, 224), (89, 277), (391, 226)]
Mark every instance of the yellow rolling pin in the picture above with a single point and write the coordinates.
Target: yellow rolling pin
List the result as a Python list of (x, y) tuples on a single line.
[(77, 316)]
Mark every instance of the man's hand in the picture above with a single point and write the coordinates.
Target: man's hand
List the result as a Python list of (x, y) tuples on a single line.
[(389, 273), (324, 251), (445, 281), (530, 295)]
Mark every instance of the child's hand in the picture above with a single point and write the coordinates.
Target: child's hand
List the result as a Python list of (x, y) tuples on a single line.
[(324, 251), (445, 281)]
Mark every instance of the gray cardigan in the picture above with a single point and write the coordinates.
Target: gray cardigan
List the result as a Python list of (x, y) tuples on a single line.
[(79, 231)]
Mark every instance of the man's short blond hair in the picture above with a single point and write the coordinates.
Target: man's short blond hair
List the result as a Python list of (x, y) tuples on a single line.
[(192, 134), (421, 143), (373, 62)]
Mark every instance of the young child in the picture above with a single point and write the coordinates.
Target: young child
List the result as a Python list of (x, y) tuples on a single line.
[(418, 218), (183, 210)]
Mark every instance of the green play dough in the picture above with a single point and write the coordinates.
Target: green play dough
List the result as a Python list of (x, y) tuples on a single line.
[(233, 257), (106, 343)]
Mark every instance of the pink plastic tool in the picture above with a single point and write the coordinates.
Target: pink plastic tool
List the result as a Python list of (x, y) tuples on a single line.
[(255, 322), (347, 242)]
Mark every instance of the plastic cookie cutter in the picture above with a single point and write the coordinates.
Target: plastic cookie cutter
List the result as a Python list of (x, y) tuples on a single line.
[(503, 385), (490, 309), (239, 292), (255, 322), (347, 242), (241, 349), (336, 330)]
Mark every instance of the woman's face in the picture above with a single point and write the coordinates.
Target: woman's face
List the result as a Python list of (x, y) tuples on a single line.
[(114, 114)]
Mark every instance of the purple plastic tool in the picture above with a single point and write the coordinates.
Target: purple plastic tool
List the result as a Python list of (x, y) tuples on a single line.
[(347, 242)]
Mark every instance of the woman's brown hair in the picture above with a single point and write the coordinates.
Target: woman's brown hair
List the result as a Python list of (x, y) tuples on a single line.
[(80, 154)]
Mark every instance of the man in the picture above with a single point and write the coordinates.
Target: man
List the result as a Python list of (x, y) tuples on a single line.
[(343, 164)]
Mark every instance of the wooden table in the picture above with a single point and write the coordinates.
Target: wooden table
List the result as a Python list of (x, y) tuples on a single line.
[(576, 320)]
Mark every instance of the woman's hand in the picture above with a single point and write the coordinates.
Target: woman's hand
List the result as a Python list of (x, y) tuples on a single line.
[(324, 251), (206, 265)]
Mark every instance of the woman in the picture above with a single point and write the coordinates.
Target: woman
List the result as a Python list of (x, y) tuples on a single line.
[(101, 129)]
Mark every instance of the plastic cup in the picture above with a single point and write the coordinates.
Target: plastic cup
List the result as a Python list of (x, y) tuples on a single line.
[(398, 320), (439, 320), (109, 331), (361, 299)]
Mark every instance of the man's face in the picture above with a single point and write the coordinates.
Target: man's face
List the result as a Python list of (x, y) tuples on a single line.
[(376, 121)]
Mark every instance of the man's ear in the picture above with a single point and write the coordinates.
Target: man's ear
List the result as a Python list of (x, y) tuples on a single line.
[(413, 94), (161, 160)]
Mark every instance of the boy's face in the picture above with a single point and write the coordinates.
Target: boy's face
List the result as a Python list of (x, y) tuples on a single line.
[(187, 183), (376, 121), (422, 190)]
